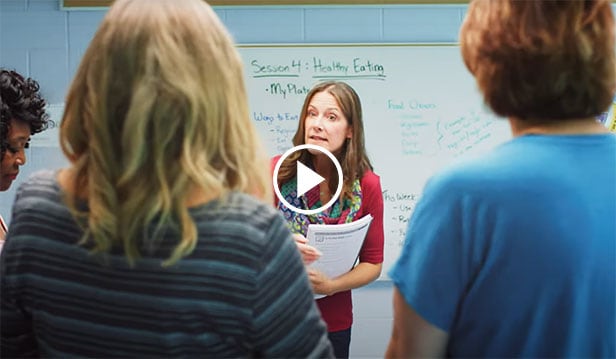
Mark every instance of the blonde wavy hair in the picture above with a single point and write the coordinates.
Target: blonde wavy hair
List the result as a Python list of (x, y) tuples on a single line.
[(158, 108)]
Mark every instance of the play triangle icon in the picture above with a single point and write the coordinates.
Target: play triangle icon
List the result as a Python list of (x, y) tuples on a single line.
[(306, 179)]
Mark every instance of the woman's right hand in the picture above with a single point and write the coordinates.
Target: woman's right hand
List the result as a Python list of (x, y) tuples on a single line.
[(308, 252)]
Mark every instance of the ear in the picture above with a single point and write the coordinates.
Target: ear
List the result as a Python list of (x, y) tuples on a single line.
[(349, 132)]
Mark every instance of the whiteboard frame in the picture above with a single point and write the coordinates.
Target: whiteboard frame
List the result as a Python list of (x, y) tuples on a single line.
[(280, 47), (101, 4), (347, 44)]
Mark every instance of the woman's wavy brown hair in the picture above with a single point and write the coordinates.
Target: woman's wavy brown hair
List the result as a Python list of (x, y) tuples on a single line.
[(352, 157), (542, 61), (158, 108)]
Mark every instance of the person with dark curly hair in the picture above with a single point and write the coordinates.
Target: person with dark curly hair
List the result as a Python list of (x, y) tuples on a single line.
[(22, 114)]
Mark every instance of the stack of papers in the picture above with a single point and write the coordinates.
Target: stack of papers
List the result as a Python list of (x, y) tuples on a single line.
[(339, 245)]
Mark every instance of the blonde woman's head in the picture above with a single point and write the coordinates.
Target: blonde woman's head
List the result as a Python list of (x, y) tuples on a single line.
[(157, 111)]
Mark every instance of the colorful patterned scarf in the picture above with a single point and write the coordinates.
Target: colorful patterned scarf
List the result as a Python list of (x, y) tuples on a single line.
[(336, 214)]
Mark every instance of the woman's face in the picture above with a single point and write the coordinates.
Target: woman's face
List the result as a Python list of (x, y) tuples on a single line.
[(326, 125), (18, 140)]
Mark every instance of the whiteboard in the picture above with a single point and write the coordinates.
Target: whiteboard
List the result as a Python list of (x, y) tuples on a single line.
[(421, 111)]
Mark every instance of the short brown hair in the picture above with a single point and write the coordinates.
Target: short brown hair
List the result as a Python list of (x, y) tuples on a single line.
[(541, 60)]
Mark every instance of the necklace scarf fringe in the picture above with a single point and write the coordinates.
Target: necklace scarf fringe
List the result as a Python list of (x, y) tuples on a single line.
[(340, 212)]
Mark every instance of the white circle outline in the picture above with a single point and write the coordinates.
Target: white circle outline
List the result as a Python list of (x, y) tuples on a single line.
[(316, 148)]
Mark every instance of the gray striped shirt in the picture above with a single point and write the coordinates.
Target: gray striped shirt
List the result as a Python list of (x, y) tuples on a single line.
[(242, 292)]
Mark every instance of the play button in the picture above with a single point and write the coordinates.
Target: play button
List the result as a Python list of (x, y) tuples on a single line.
[(307, 179)]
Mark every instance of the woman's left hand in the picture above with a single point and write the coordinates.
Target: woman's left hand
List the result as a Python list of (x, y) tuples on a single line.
[(321, 283), (360, 275)]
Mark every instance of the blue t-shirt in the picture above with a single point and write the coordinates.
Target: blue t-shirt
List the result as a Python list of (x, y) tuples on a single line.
[(513, 254)]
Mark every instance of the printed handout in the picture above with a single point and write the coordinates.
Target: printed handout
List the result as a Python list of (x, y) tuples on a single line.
[(339, 245)]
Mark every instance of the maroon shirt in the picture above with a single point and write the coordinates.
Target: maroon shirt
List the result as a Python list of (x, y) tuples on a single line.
[(337, 309)]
